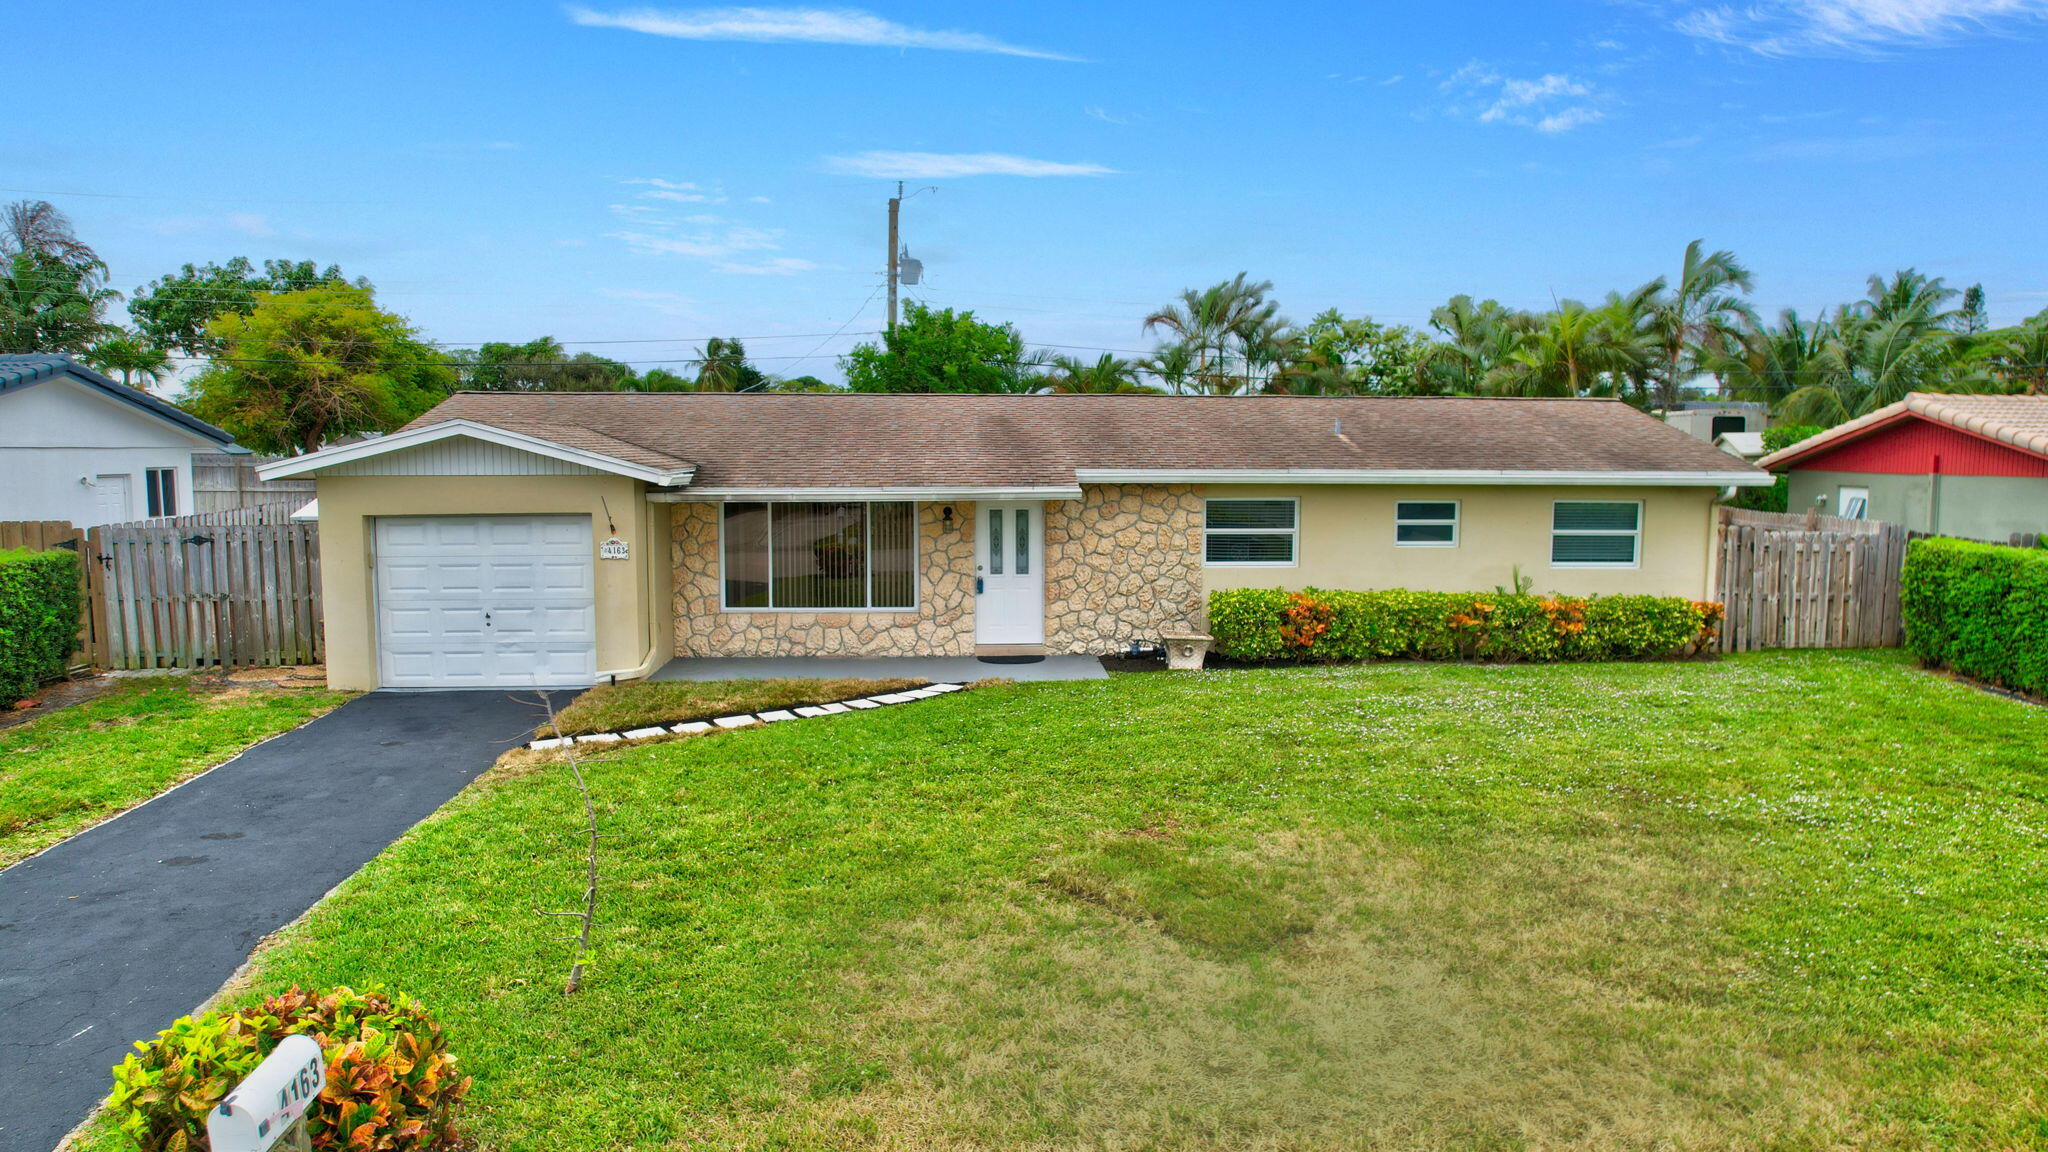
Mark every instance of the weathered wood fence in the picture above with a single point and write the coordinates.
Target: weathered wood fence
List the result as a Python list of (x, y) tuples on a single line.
[(219, 589), (1806, 581), (224, 480)]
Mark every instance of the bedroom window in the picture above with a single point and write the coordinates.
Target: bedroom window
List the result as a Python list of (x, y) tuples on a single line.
[(1596, 533), (819, 556), (160, 491), (1250, 533), (1425, 523), (1853, 503)]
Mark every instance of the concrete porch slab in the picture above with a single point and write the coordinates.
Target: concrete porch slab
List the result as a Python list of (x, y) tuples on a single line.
[(939, 669)]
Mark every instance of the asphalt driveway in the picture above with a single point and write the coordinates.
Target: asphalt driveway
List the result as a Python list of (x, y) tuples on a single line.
[(109, 936)]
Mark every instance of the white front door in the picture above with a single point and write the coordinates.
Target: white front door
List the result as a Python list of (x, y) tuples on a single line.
[(113, 498), (485, 602), (1009, 565)]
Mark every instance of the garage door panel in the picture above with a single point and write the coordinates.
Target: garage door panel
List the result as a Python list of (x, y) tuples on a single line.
[(486, 601)]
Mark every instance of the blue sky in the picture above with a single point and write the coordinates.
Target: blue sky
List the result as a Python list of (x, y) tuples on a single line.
[(651, 176)]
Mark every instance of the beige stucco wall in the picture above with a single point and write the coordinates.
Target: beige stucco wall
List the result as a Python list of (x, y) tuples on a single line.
[(941, 625), (631, 595), (1122, 563), (1347, 541)]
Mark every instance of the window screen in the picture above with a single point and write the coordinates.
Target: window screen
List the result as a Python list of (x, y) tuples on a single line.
[(1595, 533), (1249, 532)]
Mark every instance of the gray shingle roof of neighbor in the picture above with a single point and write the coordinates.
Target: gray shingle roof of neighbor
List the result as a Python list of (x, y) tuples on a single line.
[(2021, 421), (826, 440), (21, 370)]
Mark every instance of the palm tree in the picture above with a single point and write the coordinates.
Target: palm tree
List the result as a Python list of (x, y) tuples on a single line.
[(131, 356), (1232, 334), (2017, 357), (37, 228), (1477, 339), (1703, 315), (1567, 353), (1631, 320), (1771, 364), (1107, 375)]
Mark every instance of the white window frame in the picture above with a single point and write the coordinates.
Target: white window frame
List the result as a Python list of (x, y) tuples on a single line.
[(1457, 518), (1636, 534), (1842, 501), (1293, 534), (159, 488), (867, 544)]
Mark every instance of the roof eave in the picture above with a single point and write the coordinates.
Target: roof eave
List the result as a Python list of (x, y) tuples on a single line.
[(313, 462), (1740, 478)]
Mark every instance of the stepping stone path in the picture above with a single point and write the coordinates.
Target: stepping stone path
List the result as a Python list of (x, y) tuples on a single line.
[(727, 723)]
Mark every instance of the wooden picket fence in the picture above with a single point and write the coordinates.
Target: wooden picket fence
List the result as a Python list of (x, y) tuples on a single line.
[(220, 589), (1806, 581)]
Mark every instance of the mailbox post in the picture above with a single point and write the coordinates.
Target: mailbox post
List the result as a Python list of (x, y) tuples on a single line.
[(270, 1103)]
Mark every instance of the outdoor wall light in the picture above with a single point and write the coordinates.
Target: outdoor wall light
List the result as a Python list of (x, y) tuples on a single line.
[(946, 517)]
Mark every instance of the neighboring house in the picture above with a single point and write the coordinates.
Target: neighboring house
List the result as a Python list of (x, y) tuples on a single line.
[(78, 446), (1747, 445), (1959, 465), (555, 538), (1710, 419)]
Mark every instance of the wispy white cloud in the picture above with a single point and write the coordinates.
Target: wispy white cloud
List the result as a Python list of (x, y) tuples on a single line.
[(773, 266), (1095, 112), (952, 165), (1854, 27), (800, 26), (251, 223), (1552, 103), (709, 245)]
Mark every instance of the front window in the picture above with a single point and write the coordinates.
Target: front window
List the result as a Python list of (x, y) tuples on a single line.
[(822, 556), (1596, 534), (1250, 533), (1425, 523), (160, 491), (1854, 503)]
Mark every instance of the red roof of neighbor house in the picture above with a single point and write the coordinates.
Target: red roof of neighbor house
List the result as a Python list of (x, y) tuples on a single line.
[(2001, 424), (825, 440)]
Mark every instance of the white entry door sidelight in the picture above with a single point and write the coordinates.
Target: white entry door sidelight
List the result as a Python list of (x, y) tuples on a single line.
[(1009, 554), (485, 602)]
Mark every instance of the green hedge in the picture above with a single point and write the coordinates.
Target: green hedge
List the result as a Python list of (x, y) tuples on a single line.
[(1981, 609), (38, 618), (1320, 625)]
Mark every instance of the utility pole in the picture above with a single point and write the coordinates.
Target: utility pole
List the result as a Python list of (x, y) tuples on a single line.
[(895, 209)]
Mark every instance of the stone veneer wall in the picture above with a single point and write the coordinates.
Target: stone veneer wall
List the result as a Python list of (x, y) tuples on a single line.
[(1122, 563), (942, 624)]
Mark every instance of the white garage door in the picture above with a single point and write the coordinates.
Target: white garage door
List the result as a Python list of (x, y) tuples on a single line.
[(485, 602)]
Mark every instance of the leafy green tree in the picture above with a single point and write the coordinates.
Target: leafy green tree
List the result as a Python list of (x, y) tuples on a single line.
[(1702, 316), (802, 384), (1107, 375), (539, 365), (172, 312), (1476, 339), (2017, 357), (1338, 354), (1567, 352), (131, 356), (939, 350), (304, 367), (1771, 363), (1777, 497)]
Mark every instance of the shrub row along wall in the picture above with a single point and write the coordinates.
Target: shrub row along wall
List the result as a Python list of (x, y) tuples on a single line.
[(38, 618), (1981, 609), (1321, 625)]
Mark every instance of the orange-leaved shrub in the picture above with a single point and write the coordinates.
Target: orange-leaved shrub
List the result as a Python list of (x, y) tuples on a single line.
[(1262, 624), (391, 1084)]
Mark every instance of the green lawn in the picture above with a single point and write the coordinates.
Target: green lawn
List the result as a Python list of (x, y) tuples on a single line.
[(1788, 901), (64, 772), (613, 707)]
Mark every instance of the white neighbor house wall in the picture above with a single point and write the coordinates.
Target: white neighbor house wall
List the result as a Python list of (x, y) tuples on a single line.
[(58, 434)]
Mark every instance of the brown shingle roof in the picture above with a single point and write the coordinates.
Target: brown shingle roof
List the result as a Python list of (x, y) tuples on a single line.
[(2021, 421), (807, 440)]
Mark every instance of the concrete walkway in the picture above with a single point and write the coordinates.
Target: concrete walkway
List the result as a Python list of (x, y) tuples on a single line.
[(109, 936), (938, 669)]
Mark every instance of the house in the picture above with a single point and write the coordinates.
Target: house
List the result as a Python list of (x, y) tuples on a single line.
[(1959, 465), (556, 538), (78, 446), (1709, 419), (1746, 445)]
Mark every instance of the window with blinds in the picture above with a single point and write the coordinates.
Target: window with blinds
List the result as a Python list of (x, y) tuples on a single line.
[(1250, 533), (822, 556), (1596, 533), (1425, 523)]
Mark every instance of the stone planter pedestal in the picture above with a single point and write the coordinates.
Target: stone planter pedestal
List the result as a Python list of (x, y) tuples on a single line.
[(1185, 651)]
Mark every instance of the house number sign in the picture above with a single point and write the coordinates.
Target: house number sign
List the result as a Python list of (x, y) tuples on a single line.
[(271, 1100), (613, 549)]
